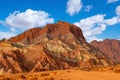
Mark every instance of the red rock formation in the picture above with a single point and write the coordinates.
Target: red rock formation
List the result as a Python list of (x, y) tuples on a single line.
[(110, 47), (56, 46), (61, 30)]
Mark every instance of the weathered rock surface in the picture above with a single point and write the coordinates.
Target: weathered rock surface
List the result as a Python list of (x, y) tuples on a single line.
[(62, 31), (110, 47), (56, 46)]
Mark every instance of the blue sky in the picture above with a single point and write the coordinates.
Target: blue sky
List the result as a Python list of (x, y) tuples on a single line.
[(98, 19)]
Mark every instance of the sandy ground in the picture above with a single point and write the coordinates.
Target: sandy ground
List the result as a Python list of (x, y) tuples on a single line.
[(83, 75), (64, 75)]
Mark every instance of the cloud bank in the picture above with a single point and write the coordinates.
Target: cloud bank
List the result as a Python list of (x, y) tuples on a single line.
[(28, 19), (95, 25)]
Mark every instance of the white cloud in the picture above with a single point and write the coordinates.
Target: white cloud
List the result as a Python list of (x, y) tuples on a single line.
[(6, 35), (112, 1), (88, 8), (92, 26), (89, 22), (95, 25), (28, 19), (112, 21), (73, 7), (118, 10)]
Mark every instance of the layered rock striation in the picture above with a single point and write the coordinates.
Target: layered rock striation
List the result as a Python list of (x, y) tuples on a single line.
[(55, 46), (109, 47)]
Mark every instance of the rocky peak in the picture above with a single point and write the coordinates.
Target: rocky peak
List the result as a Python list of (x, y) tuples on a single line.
[(60, 30)]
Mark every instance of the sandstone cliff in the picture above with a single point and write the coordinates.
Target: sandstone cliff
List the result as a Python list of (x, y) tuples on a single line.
[(56, 46), (110, 47)]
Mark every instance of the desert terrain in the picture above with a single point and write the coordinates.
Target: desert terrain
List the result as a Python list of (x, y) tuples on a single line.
[(103, 73), (46, 54), (60, 40)]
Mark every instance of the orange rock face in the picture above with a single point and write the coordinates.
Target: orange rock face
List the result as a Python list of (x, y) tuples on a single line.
[(61, 30), (110, 47), (56, 46)]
